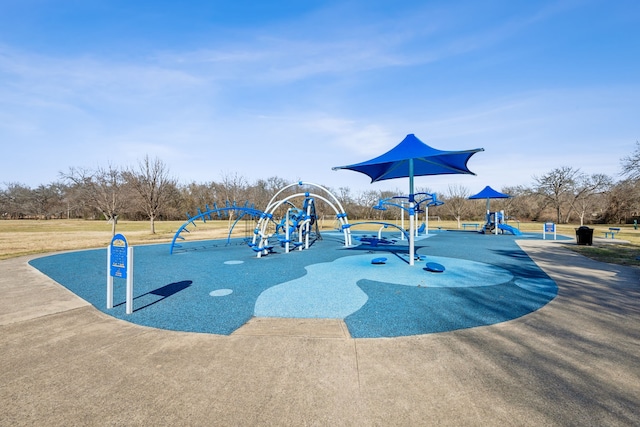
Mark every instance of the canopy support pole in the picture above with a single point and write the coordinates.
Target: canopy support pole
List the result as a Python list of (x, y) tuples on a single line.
[(412, 237)]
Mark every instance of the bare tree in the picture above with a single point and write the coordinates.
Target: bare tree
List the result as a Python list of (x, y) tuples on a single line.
[(457, 202), (523, 203), (631, 169), (154, 187), (15, 200), (622, 201), (194, 196), (262, 191), (102, 188), (233, 187), (365, 202), (631, 163), (47, 200), (587, 188), (557, 187)]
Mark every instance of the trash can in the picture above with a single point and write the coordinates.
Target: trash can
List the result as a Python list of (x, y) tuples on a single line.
[(584, 235)]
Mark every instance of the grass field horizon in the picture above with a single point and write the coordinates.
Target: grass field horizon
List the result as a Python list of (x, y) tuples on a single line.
[(29, 237)]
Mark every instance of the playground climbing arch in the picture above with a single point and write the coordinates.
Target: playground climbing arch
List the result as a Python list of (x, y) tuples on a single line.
[(260, 242), (241, 212), (261, 237)]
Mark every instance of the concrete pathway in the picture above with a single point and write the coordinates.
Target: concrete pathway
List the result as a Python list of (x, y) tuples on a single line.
[(576, 362)]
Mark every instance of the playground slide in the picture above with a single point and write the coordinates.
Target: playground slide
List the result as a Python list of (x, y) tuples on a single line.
[(510, 229)]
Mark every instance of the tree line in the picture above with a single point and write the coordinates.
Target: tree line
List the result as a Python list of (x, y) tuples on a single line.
[(147, 191)]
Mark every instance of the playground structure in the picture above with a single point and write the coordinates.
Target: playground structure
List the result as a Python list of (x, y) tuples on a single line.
[(421, 204), (242, 212), (291, 227), (298, 227), (379, 239), (496, 222)]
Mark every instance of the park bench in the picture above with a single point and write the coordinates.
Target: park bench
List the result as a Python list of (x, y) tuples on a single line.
[(612, 232), (468, 224)]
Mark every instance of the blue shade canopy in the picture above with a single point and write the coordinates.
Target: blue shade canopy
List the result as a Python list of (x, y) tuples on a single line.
[(410, 158), (489, 193), (413, 157)]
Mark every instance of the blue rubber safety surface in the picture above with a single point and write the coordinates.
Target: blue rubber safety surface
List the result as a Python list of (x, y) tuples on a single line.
[(216, 287)]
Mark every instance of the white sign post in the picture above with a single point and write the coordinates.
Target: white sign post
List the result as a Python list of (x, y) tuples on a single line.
[(109, 280), (120, 264), (129, 297)]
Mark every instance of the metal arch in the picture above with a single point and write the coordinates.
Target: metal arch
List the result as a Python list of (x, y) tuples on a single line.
[(207, 214), (385, 224), (261, 238)]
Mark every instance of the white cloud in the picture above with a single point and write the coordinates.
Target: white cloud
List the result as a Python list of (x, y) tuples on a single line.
[(296, 99)]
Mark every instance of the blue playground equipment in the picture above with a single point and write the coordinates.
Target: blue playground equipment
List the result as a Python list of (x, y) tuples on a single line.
[(299, 226), (509, 229), (242, 212), (496, 222), (379, 240), (434, 267), (421, 204), (295, 229)]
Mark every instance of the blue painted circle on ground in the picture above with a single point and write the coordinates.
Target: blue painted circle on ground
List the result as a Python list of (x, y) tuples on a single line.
[(220, 292)]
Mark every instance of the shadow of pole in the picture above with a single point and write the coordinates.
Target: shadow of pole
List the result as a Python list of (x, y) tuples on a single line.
[(164, 292)]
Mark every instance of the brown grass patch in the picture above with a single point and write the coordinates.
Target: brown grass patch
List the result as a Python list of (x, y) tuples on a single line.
[(32, 237), (621, 254), (26, 237)]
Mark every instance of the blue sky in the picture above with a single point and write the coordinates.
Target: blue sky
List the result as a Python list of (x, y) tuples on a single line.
[(293, 88)]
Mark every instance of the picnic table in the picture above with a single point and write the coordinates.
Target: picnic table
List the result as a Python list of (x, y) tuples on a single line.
[(470, 224), (612, 232)]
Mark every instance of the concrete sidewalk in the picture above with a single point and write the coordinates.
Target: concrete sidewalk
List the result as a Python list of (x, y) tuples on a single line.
[(576, 361)]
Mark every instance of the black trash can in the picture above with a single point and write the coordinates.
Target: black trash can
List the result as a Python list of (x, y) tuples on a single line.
[(584, 235)]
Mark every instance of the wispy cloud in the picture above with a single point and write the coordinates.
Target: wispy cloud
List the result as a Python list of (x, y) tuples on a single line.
[(295, 96)]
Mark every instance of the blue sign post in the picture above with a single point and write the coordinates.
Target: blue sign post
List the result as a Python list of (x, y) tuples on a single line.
[(120, 265)]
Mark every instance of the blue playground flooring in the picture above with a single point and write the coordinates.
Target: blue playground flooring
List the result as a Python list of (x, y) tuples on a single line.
[(216, 287)]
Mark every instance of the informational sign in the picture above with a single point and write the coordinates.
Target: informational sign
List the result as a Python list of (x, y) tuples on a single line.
[(119, 261), (549, 227), (120, 265)]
